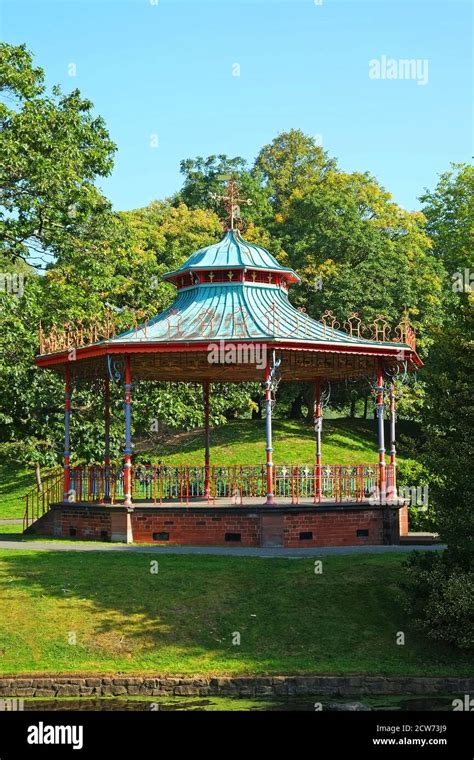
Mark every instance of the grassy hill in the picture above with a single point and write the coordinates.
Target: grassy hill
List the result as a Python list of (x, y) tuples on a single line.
[(243, 442)]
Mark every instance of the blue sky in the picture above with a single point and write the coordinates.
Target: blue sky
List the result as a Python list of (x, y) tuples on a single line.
[(165, 68)]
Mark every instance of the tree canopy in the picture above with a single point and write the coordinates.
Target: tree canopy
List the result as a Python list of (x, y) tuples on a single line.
[(52, 150)]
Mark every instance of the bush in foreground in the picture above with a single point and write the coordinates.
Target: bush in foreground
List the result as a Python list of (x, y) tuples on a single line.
[(440, 598)]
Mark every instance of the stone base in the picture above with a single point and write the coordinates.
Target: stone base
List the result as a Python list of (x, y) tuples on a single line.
[(98, 685), (288, 526)]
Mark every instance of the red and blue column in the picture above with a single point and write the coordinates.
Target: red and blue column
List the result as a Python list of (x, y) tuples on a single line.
[(381, 435), (207, 441), (67, 434), (318, 426), (127, 451), (268, 431), (107, 439), (393, 448)]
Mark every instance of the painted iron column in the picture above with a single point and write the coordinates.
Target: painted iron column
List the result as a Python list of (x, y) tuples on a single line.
[(107, 438), (268, 430), (207, 441), (393, 447), (381, 435), (318, 426), (67, 435), (127, 452)]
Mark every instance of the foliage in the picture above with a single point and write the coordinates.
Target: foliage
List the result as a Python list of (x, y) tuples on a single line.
[(204, 179), (449, 210), (52, 148), (448, 412), (440, 591), (415, 479), (448, 420), (29, 403), (440, 598)]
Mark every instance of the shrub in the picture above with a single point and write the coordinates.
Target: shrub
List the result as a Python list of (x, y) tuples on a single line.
[(440, 598), (411, 474)]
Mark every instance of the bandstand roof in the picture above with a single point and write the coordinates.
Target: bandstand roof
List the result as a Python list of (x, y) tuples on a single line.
[(232, 251), (233, 292)]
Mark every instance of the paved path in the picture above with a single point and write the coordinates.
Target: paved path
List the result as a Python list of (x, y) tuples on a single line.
[(241, 551), (11, 522)]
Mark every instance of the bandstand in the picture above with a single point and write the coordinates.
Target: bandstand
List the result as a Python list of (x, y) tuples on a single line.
[(231, 321)]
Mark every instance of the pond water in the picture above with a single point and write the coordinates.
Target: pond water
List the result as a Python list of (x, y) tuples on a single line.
[(283, 704)]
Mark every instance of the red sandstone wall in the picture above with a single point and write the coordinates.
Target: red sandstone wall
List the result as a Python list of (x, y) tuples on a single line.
[(192, 528), (88, 524), (403, 518), (331, 528)]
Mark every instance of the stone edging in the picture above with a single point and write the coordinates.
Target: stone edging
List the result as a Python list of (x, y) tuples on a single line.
[(249, 686)]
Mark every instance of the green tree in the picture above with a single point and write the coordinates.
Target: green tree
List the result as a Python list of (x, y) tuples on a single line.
[(288, 164), (440, 589), (205, 178), (30, 411), (52, 149), (355, 249), (449, 210), (449, 412)]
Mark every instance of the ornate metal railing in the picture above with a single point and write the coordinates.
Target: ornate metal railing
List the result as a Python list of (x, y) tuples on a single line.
[(85, 333), (184, 484), (37, 501), (378, 330), (161, 484)]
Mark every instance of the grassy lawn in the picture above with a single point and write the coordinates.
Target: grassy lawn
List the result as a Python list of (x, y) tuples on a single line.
[(182, 619), (15, 482), (243, 442)]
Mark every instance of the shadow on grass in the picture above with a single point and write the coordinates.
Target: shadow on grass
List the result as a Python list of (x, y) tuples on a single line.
[(185, 617)]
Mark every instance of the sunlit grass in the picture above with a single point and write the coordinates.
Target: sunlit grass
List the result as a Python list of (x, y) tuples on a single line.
[(68, 611)]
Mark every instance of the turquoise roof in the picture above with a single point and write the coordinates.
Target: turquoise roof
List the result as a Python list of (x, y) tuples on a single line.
[(232, 252), (241, 310), (234, 311)]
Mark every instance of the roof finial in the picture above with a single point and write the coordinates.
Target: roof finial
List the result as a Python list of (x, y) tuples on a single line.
[(231, 200)]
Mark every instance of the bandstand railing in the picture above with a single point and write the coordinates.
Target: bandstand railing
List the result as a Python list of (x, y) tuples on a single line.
[(184, 484), (38, 501), (160, 484)]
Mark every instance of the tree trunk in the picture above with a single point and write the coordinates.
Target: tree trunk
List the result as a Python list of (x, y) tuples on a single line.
[(366, 405), (39, 482), (257, 413), (295, 408), (352, 412), (309, 397)]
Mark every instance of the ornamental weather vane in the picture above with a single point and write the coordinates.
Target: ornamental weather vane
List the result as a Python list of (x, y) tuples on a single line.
[(231, 200)]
